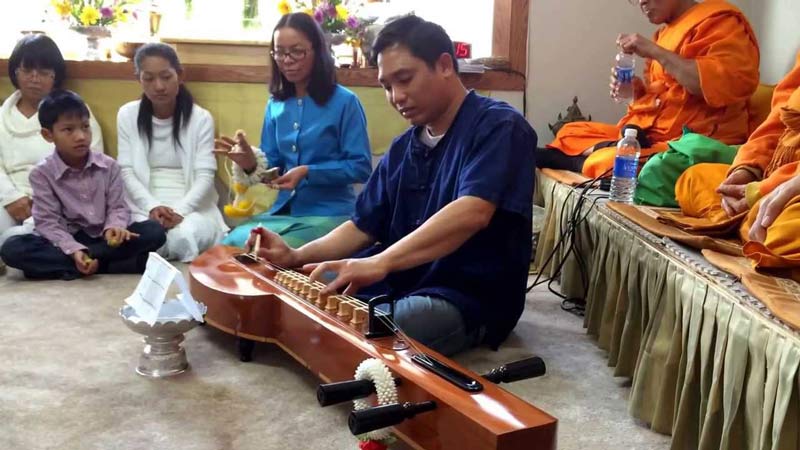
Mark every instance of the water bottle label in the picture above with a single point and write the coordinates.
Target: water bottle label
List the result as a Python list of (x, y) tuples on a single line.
[(625, 167), (624, 74)]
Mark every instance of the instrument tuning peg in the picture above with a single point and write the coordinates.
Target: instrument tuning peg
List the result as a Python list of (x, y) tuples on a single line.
[(518, 370), (344, 391), (371, 419)]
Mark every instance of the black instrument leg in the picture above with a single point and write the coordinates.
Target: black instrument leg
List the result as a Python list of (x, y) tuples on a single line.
[(246, 349)]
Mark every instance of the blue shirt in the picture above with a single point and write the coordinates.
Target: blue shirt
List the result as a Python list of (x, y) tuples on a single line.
[(488, 153), (330, 139)]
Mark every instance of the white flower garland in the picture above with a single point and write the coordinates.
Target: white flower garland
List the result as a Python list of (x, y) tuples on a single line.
[(262, 165), (376, 371)]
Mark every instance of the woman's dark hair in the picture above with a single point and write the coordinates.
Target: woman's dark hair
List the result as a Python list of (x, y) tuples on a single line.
[(37, 51), (323, 74), (425, 40), (60, 103), (184, 102)]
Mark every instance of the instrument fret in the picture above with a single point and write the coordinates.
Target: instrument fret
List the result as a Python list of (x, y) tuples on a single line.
[(352, 310), (346, 308)]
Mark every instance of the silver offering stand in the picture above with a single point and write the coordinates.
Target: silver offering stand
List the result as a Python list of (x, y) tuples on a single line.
[(162, 355)]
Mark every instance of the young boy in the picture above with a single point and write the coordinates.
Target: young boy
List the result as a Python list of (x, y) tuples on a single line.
[(80, 217)]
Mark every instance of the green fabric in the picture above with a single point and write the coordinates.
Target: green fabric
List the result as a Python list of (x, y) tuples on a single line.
[(656, 185), (296, 231)]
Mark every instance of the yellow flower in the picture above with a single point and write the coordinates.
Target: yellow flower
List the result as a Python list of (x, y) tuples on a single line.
[(120, 15), (309, 11), (63, 7), (284, 7), (89, 16), (342, 12)]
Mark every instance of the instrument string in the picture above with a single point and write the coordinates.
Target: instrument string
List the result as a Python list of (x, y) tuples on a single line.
[(355, 303)]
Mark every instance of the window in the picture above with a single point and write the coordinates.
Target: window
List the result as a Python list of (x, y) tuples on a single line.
[(464, 20), (472, 21)]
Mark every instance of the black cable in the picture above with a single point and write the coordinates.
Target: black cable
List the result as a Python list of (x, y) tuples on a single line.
[(578, 303), (577, 218), (558, 244), (563, 233), (553, 252), (566, 233), (524, 91)]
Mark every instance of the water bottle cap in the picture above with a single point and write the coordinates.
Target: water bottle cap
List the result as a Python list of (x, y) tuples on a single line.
[(631, 132)]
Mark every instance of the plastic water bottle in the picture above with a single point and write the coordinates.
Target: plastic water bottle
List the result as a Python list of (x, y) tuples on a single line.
[(624, 69), (626, 163)]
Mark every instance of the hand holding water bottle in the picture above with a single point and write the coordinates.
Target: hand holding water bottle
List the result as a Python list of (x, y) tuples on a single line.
[(633, 90), (636, 44), (622, 76), (625, 85)]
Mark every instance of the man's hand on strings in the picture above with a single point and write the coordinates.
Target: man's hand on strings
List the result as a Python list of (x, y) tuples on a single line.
[(351, 274), (272, 248)]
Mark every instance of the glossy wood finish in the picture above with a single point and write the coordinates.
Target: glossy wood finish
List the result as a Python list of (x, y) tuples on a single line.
[(261, 309), (110, 70), (510, 33)]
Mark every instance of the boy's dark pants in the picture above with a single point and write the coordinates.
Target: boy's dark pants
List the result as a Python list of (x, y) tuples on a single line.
[(39, 259)]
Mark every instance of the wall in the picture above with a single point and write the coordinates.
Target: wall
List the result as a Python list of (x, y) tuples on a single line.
[(238, 105), (571, 50), (775, 22), (570, 54), (233, 105)]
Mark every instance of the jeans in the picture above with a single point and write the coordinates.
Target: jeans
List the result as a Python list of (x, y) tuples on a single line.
[(38, 258), (436, 323)]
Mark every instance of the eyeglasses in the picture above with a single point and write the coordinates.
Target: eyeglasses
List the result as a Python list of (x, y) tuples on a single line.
[(295, 54), (29, 74)]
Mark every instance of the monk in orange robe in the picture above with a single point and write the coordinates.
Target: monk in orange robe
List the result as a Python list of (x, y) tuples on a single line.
[(700, 72), (759, 194)]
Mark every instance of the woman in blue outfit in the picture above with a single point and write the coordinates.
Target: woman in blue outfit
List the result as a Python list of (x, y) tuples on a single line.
[(314, 133)]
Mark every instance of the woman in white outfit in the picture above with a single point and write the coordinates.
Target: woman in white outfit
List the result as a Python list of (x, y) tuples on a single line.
[(166, 145), (35, 68)]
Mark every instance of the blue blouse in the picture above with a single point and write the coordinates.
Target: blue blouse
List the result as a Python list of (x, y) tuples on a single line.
[(331, 140)]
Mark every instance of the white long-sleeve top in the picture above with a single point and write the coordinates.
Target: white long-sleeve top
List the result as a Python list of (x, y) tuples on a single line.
[(196, 155), (22, 147)]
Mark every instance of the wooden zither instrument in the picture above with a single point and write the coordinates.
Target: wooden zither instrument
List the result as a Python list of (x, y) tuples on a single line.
[(442, 406)]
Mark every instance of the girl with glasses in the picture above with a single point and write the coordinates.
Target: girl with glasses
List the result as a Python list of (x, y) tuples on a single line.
[(314, 134), (35, 68)]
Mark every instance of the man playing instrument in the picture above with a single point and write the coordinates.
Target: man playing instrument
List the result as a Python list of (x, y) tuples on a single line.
[(443, 225)]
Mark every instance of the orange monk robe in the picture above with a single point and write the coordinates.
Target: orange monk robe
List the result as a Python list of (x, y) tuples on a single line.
[(773, 151), (759, 153), (716, 35), (781, 247)]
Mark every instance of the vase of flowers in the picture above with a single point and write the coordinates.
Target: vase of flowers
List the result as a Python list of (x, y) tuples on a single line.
[(337, 18), (93, 19)]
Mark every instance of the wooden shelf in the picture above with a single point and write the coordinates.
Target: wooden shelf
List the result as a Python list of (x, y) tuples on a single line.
[(109, 70)]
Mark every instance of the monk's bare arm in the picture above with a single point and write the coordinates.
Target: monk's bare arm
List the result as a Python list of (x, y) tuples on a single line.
[(684, 70)]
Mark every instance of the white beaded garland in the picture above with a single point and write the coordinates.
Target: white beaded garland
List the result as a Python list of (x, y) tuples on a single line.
[(376, 371)]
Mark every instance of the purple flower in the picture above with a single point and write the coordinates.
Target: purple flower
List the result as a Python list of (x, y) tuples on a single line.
[(352, 22), (106, 12), (330, 9), (319, 16)]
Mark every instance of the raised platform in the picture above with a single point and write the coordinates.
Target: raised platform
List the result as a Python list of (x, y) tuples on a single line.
[(709, 363)]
